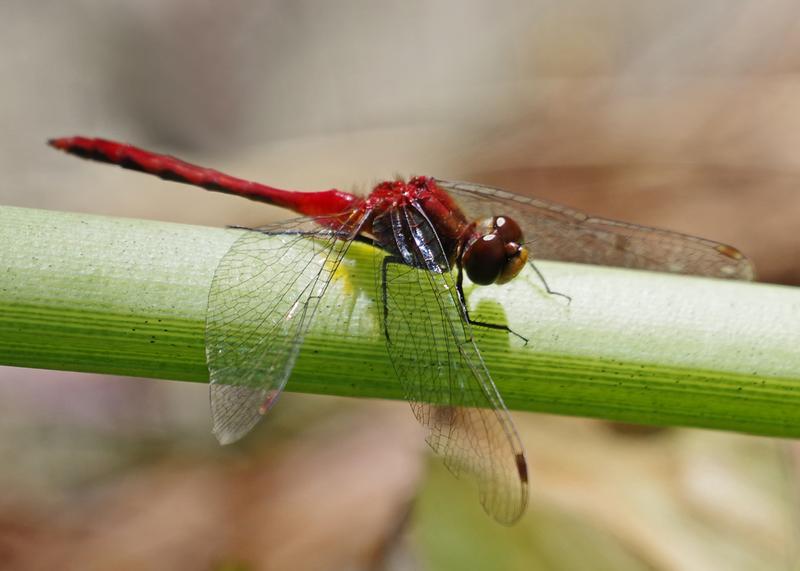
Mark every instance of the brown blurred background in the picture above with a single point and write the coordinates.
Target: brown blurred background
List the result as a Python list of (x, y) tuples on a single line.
[(682, 114)]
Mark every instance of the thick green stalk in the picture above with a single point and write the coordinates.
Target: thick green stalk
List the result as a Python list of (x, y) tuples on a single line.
[(88, 293)]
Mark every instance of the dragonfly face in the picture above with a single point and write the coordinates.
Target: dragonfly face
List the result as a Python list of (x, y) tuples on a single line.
[(493, 253)]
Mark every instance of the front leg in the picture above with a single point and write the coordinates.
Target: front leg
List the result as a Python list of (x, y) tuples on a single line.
[(463, 299), (547, 287)]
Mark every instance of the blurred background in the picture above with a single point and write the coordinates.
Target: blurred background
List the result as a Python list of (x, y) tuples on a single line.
[(682, 114)]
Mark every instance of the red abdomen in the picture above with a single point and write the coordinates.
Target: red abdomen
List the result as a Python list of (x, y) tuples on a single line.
[(327, 202)]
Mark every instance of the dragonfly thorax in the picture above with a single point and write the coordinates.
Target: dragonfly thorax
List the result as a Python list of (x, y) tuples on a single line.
[(417, 222)]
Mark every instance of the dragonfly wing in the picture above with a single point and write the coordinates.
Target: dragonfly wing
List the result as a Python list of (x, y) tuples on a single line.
[(444, 377), (555, 232), (262, 298)]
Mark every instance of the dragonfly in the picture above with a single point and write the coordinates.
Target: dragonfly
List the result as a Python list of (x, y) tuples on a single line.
[(431, 234)]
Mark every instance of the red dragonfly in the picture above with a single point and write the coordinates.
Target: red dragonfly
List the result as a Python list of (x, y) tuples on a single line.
[(255, 328)]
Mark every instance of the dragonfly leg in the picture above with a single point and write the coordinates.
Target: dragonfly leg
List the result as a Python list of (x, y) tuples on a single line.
[(547, 287), (463, 299)]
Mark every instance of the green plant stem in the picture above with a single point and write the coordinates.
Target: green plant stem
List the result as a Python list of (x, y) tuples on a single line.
[(128, 297)]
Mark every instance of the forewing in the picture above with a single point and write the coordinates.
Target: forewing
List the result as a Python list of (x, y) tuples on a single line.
[(437, 361), (555, 232), (262, 299)]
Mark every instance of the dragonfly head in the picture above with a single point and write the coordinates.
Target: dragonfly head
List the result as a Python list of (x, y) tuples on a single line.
[(494, 253)]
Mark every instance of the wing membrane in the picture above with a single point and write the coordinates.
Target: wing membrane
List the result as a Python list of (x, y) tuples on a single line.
[(437, 361), (555, 232), (258, 315)]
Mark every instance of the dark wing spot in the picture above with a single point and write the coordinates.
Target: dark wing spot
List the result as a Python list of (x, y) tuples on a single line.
[(729, 251), (522, 468)]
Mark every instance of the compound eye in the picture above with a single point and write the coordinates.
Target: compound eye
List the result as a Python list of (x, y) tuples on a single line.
[(507, 229), (484, 259)]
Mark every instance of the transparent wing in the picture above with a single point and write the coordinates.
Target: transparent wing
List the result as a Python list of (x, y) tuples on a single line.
[(262, 299), (437, 361), (555, 232)]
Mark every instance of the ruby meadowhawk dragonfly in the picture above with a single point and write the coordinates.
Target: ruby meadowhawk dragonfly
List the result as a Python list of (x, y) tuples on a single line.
[(426, 230)]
